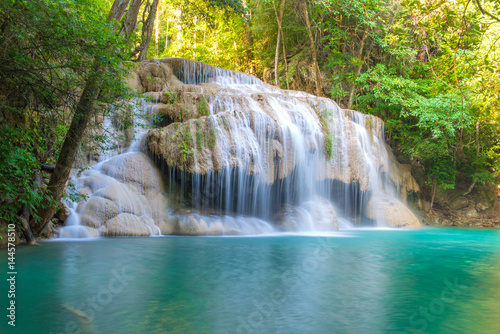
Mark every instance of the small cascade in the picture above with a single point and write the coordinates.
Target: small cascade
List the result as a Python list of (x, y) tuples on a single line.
[(73, 229), (124, 189), (238, 156)]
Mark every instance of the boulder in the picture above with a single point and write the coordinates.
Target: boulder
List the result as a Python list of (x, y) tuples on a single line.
[(98, 210), (126, 224), (315, 215), (458, 203), (323, 214), (485, 201), (134, 170), (291, 218), (391, 212), (126, 199)]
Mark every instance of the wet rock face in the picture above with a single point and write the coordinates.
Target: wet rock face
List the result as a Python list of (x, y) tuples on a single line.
[(262, 129), (316, 215), (194, 224), (125, 197), (393, 212), (219, 123), (243, 152)]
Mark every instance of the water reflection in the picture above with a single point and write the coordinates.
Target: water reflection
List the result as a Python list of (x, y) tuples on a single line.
[(373, 282)]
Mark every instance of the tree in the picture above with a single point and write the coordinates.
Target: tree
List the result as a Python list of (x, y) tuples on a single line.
[(95, 84), (47, 50), (319, 90)]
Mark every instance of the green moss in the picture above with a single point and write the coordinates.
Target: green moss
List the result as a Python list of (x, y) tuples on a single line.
[(328, 141), (212, 137), (203, 108), (186, 142), (369, 125)]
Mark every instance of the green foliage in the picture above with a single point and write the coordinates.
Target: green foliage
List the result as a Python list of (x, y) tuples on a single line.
[(203, 108), (47, 51), (18, 164), (185, 142), (441, 172), (209, 31), (328, 135)]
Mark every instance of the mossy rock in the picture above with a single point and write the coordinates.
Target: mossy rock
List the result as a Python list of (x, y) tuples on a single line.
[(485, 201), (458, 203)]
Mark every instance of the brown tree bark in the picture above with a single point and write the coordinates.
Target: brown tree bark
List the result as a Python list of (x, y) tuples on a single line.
[(279, 20), (147, 30), (130, 22), (118, 9), (70, 146), (357, 69), (319, 90), (248, 41), (24, 218), (75, 133)]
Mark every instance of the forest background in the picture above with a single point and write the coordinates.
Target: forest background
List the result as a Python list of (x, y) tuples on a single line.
[(428, 68)]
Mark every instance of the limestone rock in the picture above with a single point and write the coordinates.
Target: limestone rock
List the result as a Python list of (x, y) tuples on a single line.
[(316, 215), (291, 218), (154, 75), (125, 193), (391, 212), (190, 225), (322, 213), (134, 169), (126, 224), (169, 225), (98, 210)]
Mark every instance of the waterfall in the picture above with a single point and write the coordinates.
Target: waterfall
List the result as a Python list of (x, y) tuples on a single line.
[(238, 156)]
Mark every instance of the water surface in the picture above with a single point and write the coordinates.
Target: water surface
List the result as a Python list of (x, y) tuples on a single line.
[(435, 280)]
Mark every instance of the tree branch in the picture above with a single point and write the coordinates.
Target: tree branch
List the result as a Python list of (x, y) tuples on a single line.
[(486, 12)]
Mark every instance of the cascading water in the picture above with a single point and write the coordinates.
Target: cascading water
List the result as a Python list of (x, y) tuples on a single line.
[(123, 184), (243, 157)]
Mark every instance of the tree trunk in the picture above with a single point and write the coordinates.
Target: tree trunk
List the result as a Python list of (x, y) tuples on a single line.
[(118, 9), (248, 41), (71, 145), (74, 136), (130, 22), (319, 90), (157, 34), (277, 53), (284, 59), (279, 20), (434, 187), (478, 147), (147, 30), (24, 218), (358, 68)]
